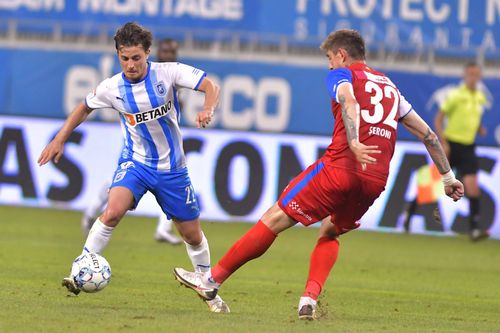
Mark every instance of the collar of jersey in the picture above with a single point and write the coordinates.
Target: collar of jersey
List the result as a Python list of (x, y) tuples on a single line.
[(463, 87), (358, 65), (144, 78)]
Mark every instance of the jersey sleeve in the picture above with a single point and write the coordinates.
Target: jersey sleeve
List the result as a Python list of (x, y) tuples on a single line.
[(187, 76), (335, 79), (98, 98), (404, 107)]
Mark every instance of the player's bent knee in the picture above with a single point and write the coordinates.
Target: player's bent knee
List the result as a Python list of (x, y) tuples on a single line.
[(327, 229), (330, 233)]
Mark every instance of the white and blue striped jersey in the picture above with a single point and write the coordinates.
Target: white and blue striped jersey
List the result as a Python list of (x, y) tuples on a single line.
[(149, 112)]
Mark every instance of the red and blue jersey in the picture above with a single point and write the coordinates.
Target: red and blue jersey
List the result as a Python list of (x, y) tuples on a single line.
[(381, 108)]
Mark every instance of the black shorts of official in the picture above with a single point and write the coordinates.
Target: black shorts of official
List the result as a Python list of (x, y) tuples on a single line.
[(463, 158)]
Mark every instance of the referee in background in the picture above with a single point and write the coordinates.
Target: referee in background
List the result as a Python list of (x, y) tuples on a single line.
[(463, 109)]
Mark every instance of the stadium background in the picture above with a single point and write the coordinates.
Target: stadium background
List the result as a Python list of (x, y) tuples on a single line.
[(274, 117)]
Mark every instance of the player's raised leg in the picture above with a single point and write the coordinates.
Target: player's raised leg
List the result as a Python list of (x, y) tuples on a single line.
[(297, 203), (252, 245)]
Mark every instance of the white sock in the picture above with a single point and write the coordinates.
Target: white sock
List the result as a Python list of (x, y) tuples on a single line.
[(97, 205), (98, 237), (164, 224), (199, 255)]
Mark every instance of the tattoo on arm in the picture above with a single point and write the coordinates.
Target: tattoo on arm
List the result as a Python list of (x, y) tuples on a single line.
[(436, 151), (430, 139), (351, 125)]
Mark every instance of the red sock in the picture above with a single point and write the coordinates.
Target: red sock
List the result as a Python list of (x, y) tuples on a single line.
[(252, 245), (323, 258)]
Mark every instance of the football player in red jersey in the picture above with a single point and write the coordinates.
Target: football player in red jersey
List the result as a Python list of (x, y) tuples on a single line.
[(340, 187)]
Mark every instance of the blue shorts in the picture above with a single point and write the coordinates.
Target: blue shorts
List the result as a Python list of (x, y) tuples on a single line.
[(173, 190)]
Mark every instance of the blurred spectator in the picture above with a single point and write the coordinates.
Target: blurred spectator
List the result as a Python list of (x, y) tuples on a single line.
[(429, 190), (167, 50)]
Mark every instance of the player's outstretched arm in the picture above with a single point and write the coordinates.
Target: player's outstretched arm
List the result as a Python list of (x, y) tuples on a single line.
[(211, 91), (350, 117), (418, 127), (54, 150)]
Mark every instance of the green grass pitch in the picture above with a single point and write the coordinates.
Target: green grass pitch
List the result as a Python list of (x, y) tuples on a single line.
[(381, 282)]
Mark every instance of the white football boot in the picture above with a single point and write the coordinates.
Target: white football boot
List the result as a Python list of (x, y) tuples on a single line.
[(307, 308), (197, 282), (70, 284), (204, 288)]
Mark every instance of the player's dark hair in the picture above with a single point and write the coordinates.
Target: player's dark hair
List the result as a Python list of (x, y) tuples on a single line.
[(470, 64), (133, 34), (347, 39)]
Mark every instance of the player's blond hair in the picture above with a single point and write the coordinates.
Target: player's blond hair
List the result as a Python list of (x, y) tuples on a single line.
[(347, 39)]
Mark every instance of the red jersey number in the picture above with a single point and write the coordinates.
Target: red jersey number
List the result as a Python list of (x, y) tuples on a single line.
[(378, 109)]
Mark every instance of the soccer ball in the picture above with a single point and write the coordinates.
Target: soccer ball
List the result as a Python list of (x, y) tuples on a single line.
[(91, 272)]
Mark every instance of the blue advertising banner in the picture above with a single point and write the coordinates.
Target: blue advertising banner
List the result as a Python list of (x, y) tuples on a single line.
[(255, 96), (216, 14), (462, 26)]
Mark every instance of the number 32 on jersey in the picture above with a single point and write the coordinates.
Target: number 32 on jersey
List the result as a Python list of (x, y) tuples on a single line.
[(377, 94)]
